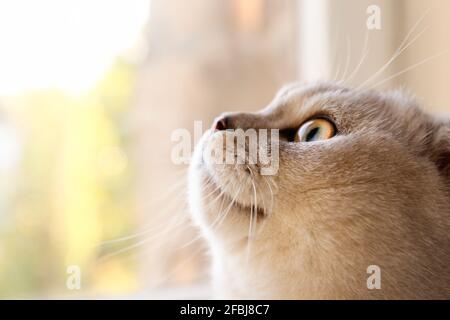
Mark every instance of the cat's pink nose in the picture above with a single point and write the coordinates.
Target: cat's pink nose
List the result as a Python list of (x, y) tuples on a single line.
[(220, 124)]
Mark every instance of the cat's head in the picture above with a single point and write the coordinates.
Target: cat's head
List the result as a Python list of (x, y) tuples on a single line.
[(360, 174)]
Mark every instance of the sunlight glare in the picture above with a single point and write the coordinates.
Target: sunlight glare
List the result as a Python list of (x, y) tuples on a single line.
[(64, 44)]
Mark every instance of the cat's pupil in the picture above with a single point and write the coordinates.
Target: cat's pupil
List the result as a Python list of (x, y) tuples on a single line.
[(312, 134)]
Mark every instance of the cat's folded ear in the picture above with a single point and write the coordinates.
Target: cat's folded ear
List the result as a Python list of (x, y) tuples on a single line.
[(440, 152)]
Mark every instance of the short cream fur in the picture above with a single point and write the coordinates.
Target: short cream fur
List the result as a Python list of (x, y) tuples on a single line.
[(375, 194)]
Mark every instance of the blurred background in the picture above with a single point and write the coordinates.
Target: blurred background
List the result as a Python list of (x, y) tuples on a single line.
[(90, 92)]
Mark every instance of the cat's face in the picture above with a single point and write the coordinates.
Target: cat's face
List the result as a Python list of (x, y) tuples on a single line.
[(360, 191)]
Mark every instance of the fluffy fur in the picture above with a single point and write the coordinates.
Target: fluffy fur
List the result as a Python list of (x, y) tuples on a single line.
[(375, 194)]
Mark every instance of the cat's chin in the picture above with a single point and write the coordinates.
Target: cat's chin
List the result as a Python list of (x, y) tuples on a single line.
[(238, 206), (222, 196), (214, 210)]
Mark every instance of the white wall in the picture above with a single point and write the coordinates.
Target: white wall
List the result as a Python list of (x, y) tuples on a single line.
[(332, 32)]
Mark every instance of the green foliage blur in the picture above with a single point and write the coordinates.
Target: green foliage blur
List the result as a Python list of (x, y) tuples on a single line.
[(69, 191)]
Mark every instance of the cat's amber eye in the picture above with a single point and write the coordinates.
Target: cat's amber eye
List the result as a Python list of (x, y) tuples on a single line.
[(315, 130)]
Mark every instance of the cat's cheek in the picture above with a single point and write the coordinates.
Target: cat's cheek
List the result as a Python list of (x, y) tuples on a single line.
[(197, 181), (209, 211)]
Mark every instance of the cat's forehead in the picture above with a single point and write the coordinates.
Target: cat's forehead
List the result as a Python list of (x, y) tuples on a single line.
[(350, 108), (325, 97)]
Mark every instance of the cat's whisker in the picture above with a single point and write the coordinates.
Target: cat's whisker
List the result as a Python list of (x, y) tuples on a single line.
[(416, 24), (271, 193), (364, 53), (175, 191), (142, 242), (148, 228), (213, 224), (336, 60), (347, 62), (407, 46), (266, 211), (390, 61), (262, 198), (218, 197), (403, 46), (338, 70), (247, 256), (175, 207), (253, 214), (252, 180), (257, 185), (130, 237), (220, 217), (215, 188), (437, 55), (230, 206), (273, 183)]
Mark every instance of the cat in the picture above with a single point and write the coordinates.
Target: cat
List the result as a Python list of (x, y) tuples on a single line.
[(363, 180)]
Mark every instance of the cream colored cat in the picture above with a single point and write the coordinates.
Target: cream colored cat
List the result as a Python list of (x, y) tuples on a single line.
[(363, 179)]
